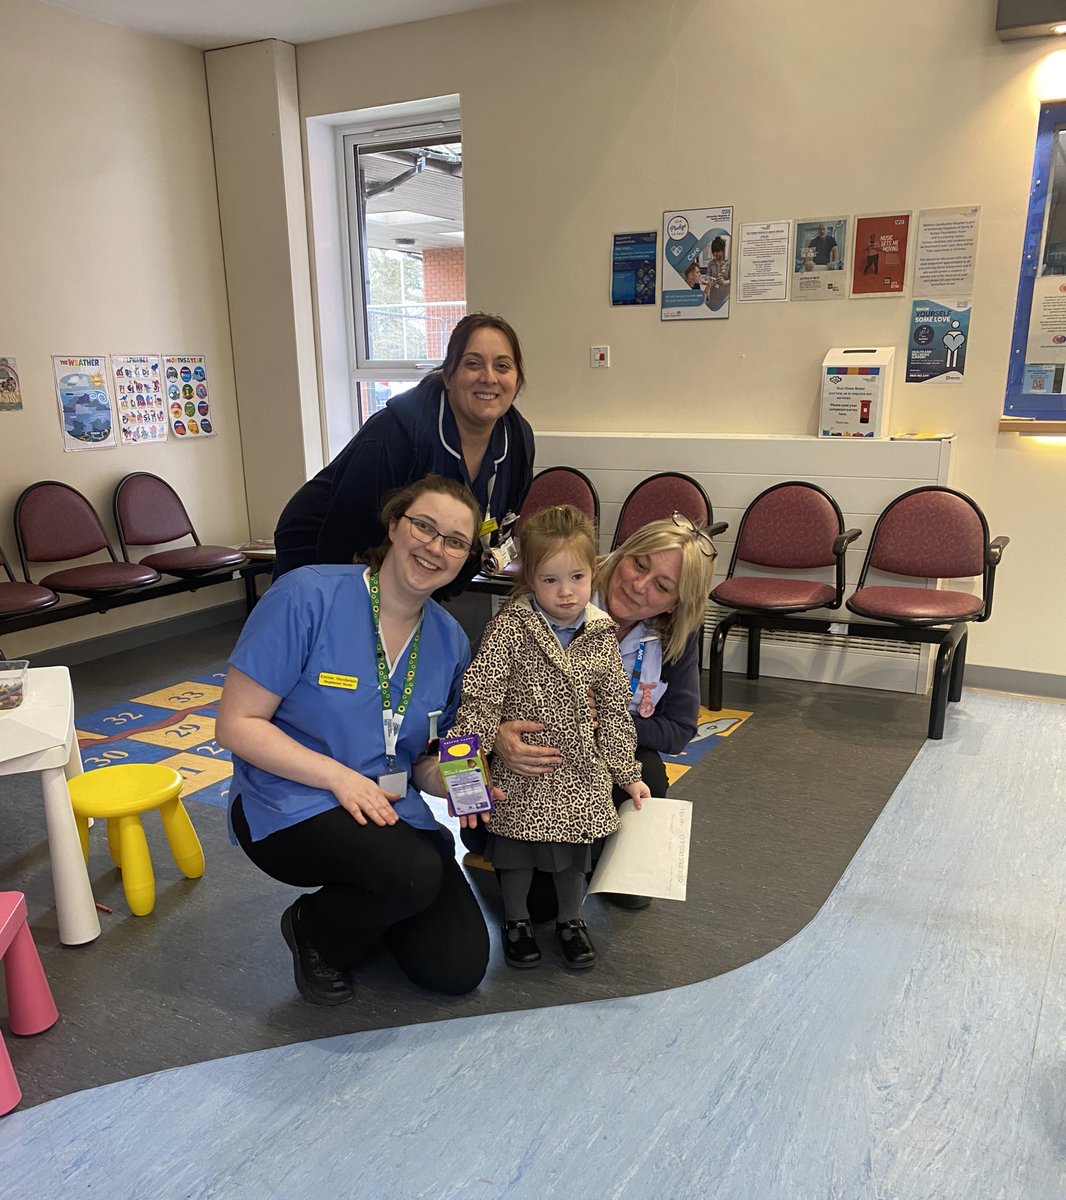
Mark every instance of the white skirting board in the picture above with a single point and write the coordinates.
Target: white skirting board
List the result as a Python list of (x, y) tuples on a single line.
[(863, 475)]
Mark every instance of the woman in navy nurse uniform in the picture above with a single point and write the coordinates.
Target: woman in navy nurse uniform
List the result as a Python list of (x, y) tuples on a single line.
[(460, 422), (328, 710)]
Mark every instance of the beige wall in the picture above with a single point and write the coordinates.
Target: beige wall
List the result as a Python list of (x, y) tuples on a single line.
[(255, 128), (583, 118), (110, 235)]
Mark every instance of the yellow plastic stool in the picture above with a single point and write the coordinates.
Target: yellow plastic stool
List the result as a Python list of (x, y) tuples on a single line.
[(119, 795)]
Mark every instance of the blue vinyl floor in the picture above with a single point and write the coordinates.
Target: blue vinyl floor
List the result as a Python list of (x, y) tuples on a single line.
[(909, 1043)]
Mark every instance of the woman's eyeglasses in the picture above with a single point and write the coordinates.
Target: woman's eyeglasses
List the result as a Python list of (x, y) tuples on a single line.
[(703, 538), (454, 546)]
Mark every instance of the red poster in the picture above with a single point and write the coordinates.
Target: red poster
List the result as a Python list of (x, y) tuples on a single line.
[(880, 255)]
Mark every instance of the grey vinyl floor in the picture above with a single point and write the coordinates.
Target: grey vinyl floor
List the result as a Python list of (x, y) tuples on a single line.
[(780, 809)]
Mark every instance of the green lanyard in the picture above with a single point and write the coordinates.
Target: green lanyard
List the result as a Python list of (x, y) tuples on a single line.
[(391, 721)]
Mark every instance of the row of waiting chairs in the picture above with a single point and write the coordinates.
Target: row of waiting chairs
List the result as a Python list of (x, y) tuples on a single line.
[(653, 498), (796, 527), (54, 523), (927, 533)]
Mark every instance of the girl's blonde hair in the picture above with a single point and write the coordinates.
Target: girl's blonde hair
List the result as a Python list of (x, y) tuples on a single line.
[(694, 584), (547, 532)]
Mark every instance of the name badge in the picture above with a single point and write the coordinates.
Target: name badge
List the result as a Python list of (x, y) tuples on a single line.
[(348, 682), (487, 528), (396, 783)]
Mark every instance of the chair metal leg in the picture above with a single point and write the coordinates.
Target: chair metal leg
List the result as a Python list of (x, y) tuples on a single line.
[(716, 661), (754, 645), (958, 669), (942, 675)]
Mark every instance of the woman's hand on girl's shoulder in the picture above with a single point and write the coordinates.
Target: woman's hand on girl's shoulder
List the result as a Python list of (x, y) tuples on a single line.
[(363, 798)]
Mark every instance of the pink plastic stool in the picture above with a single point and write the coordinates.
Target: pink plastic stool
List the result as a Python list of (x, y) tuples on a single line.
[(30, 1006)]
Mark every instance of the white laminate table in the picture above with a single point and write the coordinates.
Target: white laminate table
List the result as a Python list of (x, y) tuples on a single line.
[(39, 736)]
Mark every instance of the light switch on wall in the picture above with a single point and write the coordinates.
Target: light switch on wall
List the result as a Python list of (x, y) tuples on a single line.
[(599, 356)]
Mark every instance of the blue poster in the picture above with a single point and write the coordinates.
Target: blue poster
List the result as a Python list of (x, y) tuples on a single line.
[(697, 249), (939, 337), (633, 268)]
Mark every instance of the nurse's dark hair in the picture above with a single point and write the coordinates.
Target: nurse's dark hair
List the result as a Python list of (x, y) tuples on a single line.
[(466, 329), (398, 502)]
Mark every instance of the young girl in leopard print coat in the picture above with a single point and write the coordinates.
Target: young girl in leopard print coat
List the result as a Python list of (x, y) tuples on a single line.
[(551, 656)]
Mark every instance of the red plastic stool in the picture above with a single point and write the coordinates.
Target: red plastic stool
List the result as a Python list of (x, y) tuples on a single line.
[(30, 1006)]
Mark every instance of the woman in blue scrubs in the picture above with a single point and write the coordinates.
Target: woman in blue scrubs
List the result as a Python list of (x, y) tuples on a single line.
[(338, 682)]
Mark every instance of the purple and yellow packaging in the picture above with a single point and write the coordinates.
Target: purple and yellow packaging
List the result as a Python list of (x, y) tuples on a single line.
[(465, 776)]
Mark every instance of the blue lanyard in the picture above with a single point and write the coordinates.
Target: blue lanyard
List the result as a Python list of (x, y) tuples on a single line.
[(638, 662)]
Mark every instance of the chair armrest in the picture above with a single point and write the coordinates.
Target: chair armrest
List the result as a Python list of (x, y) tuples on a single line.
[(717, 528), (996, 548), (842, 541)]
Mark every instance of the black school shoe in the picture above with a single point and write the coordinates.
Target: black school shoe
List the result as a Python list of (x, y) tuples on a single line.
[(316, 980), (520, 947), (578, 949)]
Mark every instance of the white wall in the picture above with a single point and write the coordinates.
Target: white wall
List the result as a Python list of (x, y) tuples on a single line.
[(583, 118), (110, 244)]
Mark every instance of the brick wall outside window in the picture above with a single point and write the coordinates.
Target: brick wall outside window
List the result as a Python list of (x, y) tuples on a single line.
[(444, 283)]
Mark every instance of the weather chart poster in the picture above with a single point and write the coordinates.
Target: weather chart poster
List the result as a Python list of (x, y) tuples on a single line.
[(188, 401), (85, 411), (142, 414)]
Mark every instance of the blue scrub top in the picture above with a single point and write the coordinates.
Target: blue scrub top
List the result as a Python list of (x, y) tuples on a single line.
[(310, 635)]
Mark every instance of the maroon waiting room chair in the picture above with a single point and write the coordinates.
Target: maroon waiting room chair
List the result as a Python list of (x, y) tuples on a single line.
[(788, 532), (930, 533), (149, 512), (18, 598), (54, 523), (561, 485), (657, 497)]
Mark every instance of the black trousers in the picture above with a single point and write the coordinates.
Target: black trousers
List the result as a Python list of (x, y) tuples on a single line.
[(393, 883), (542, 901)]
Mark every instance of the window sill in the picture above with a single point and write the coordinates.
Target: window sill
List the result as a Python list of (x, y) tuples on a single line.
[(1032, 426)]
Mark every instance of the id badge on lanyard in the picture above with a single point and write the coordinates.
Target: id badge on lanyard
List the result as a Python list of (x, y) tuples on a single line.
[(647, 705), (392, 781)]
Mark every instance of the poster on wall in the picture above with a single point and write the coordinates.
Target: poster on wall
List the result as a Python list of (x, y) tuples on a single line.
[(142, 415), (1045, 343), (939, 338), (762, 263), (10, 391), (880, 254), (819, 270), (945, 251), (85, 411), (633, 267), (188, 402), (697, 247)]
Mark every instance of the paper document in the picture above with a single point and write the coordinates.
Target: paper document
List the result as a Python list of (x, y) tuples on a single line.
[(648, 856)]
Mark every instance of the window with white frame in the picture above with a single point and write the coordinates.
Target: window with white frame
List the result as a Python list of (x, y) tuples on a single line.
[(404, 192)]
